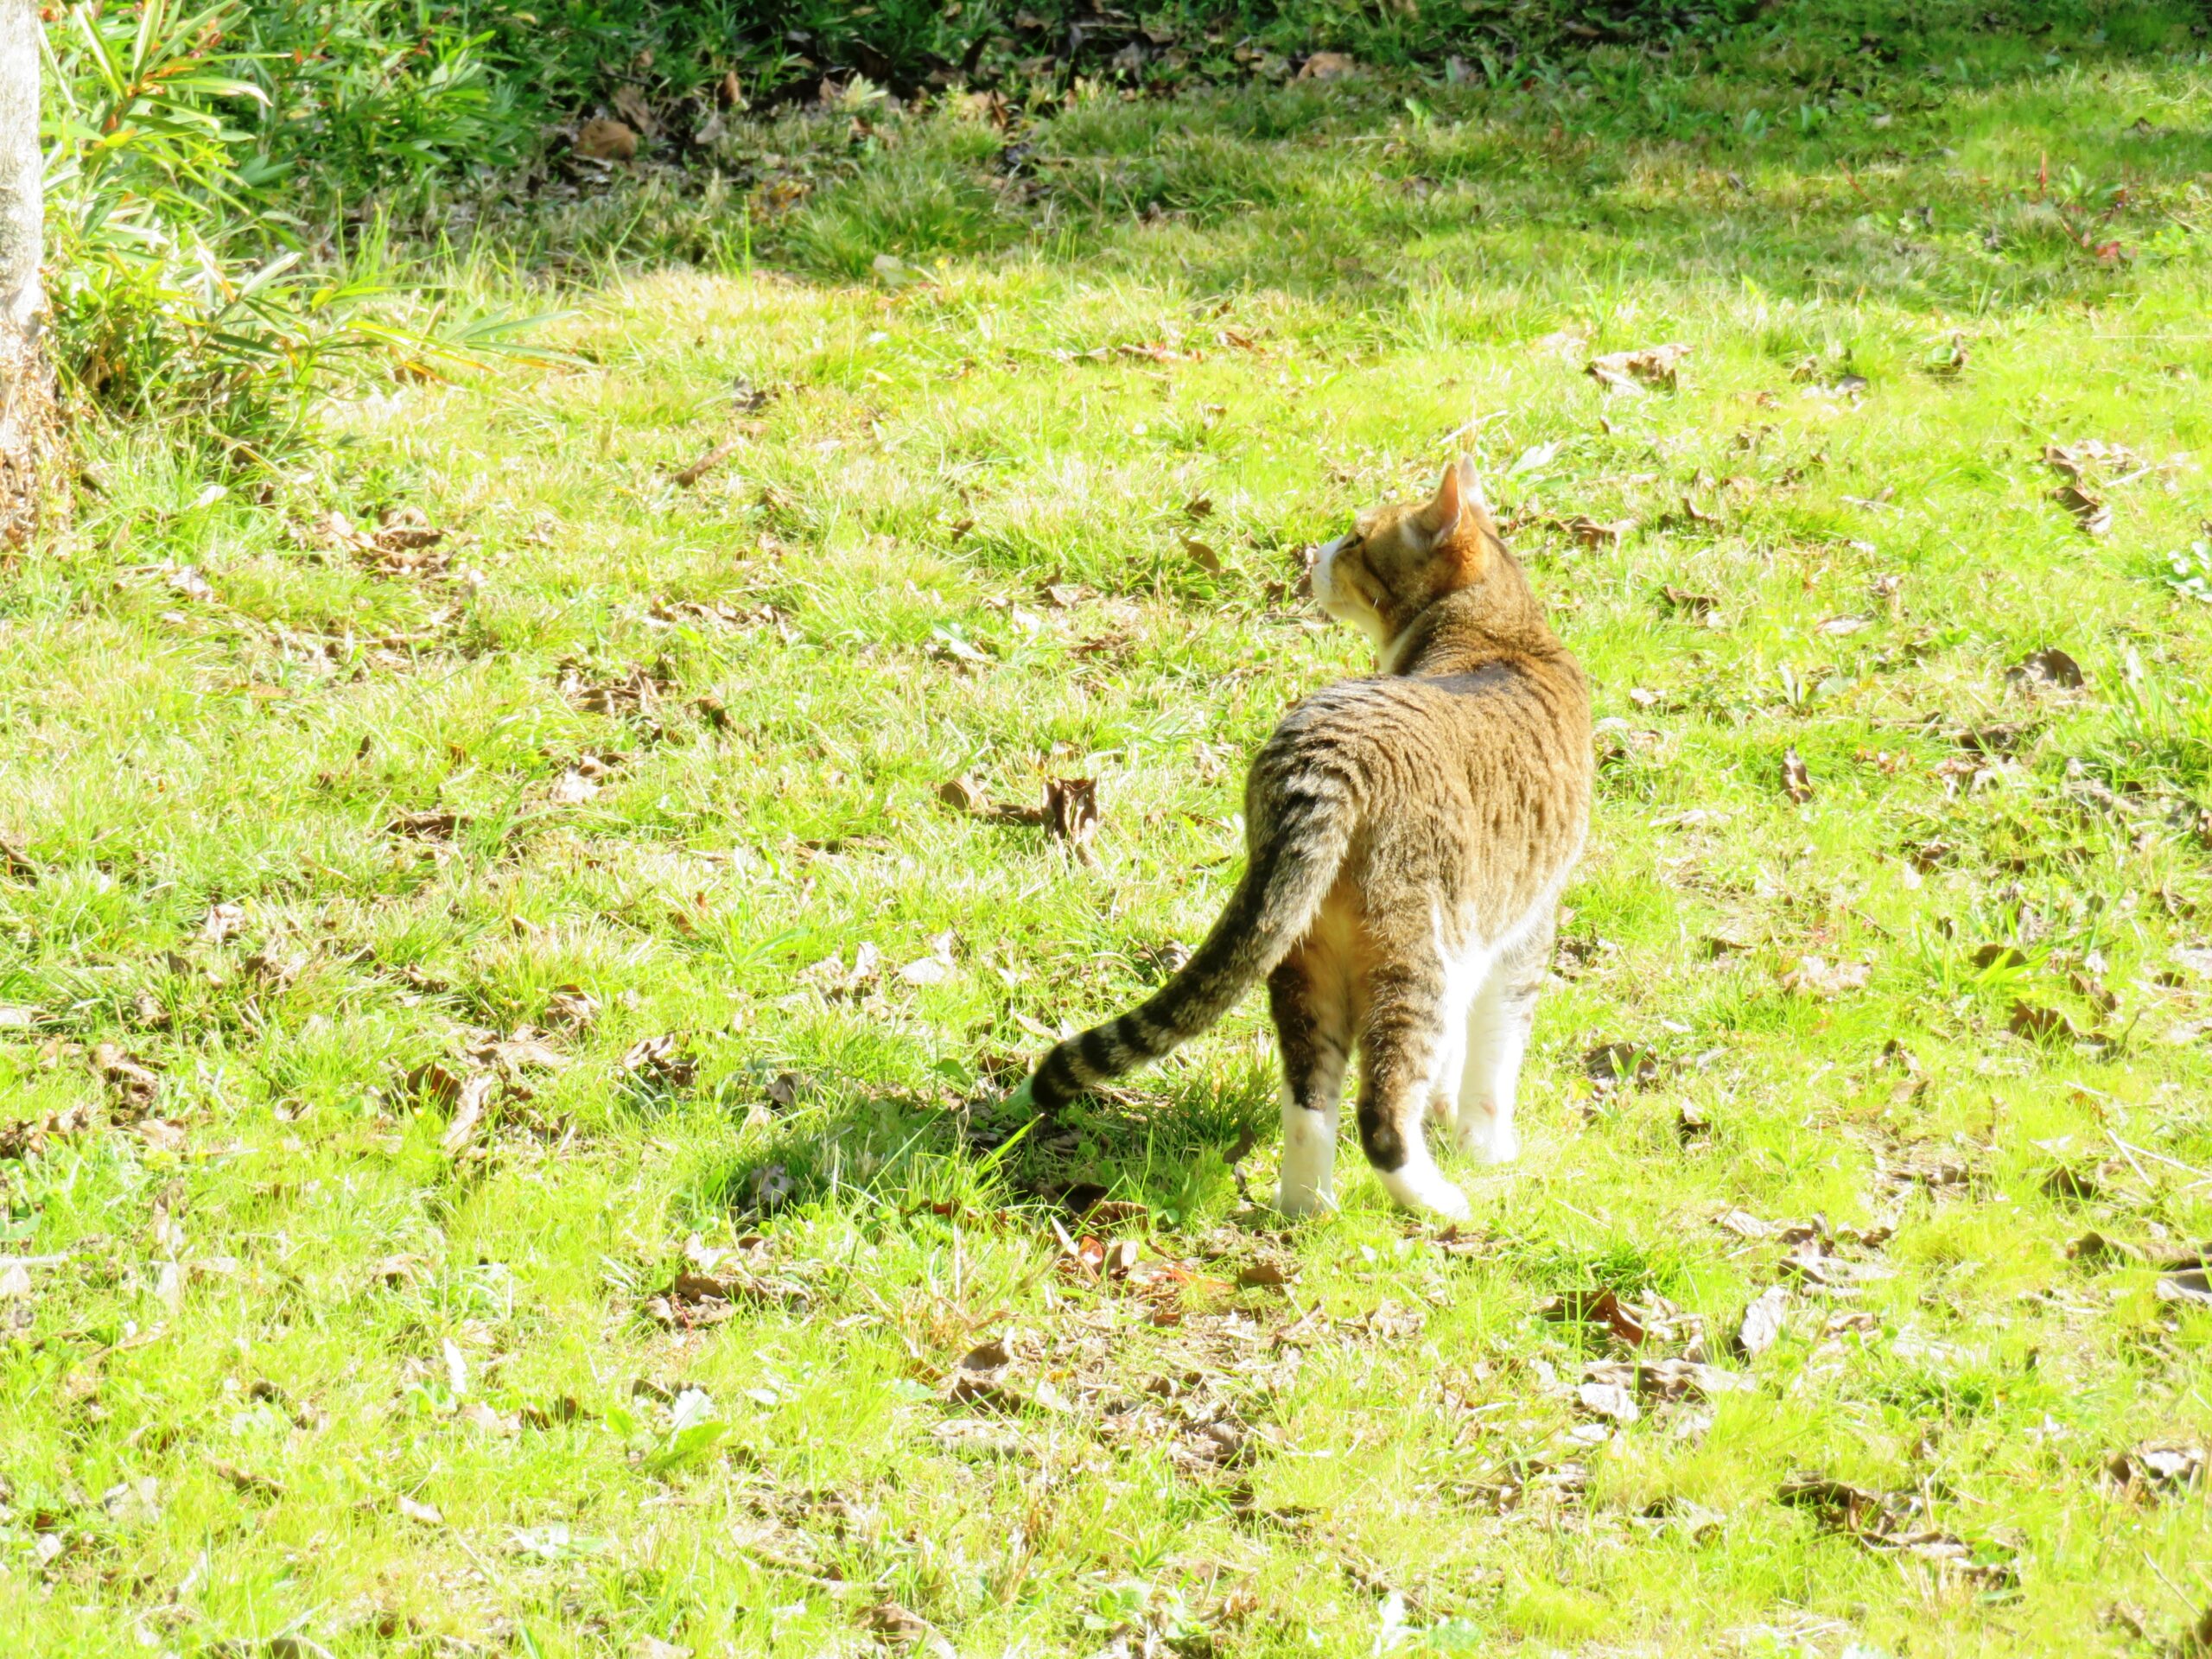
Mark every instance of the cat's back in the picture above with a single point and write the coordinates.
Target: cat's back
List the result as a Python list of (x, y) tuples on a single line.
[(1516, 712), (1475, 783)]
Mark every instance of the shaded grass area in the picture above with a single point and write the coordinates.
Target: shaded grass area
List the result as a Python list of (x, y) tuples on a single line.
[(619, 759)]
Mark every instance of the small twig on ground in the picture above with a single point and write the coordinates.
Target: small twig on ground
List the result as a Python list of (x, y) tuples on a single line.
[(706, 463), (2157, 1158), (2180, 1595), (2141, 1174)]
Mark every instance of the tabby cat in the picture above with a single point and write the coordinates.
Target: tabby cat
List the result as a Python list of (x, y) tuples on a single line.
[(1407, 836)]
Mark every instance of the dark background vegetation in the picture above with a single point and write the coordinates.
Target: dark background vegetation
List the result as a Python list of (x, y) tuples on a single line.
[(251, 202)]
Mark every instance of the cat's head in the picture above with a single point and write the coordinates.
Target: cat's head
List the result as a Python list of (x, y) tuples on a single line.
[(1395, 561)]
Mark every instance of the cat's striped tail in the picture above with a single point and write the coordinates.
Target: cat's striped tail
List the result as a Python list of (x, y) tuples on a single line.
[(1294, 862)]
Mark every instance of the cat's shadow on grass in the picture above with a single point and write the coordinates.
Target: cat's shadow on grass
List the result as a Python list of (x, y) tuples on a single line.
[(1172, 1147)]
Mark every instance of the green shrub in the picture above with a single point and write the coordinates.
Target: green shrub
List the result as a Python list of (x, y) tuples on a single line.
[(182, 284)]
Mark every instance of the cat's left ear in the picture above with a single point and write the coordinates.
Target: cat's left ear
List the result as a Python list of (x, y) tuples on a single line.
[(1474, 507), (1459, 518), (1442, 515)]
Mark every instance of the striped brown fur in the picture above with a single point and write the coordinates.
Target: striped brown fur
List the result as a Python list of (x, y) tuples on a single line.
[(1407, 835)]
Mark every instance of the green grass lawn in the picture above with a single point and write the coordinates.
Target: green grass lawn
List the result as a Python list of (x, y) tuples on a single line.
[(377, 1282)]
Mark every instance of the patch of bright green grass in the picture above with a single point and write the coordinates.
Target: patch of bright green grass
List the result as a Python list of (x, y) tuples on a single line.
[(294, 1370)]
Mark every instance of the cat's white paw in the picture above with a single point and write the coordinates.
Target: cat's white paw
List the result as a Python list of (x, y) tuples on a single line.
[(1426, 1192), (1485, 1138), (1306, 1185)]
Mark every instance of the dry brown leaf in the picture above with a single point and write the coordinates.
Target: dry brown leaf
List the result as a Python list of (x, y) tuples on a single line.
[(1842, 1506), (2048, 667), (2155, 1470), (635, 694), (404, 543), (1818, 977), (1796, 782), (1329, 66), (2189, 1286), (571, 1006), (434, 1083), (1761, 1322), (1202, 555), (244, 1481), (1603, 1308), (629, 102), (2092, 516), (1887, 1521), (561, 1409), (472, 1097), (2093, 1249), (1071, 812), (133, 1085), (2077, 461), (572, 788), (186, 580), (965, 794), (1618, 1064), (1590, 532), (2038, 1023), (1704, 609), (1608, 1400), (483, 1417), (272, 968), (603, 140), (161, 1134), (425, 826), (1664, 1380), (900, 1628), (980, 1376), (2072, 1183), (662, 1060), (394, 1272), (837, 982), (934, 968), (1630, 371), (16, 863)]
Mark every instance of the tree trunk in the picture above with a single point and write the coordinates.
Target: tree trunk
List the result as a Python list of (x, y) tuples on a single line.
[(27, 415)]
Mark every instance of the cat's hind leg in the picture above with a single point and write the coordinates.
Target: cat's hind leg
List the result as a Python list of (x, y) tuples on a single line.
[(1311, 1008), (1403, 1045), (1499, 1020)]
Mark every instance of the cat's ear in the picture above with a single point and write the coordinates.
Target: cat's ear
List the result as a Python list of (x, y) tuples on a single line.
[(1441, 516), (1458, 517), (1474, 506)]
